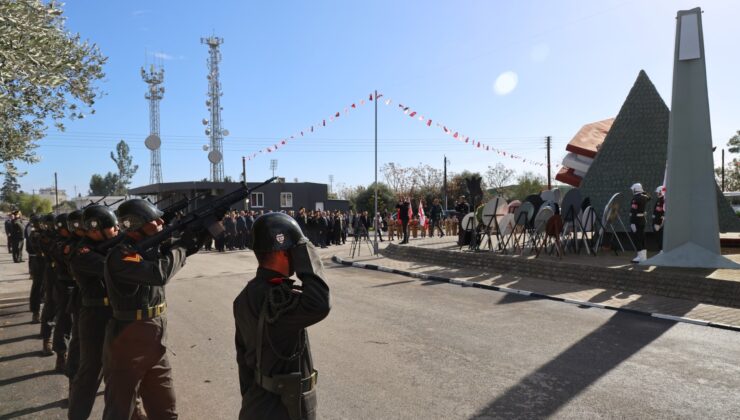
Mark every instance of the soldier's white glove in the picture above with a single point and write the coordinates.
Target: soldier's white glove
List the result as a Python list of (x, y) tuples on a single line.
[(656, 227), (633, 227)]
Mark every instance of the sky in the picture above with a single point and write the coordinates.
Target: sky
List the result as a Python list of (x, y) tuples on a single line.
[(504, 73)]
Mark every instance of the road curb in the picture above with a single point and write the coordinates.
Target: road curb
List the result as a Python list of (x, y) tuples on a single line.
[(535, 295)]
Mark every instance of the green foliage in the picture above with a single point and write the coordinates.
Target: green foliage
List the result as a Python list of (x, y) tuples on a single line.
[(106, 185), (10, 186), (46, 73), (498, 178), (527, 183), (734, 143), (365, 200), (27, 204), (457, 187), (732, 176), (126, 167)]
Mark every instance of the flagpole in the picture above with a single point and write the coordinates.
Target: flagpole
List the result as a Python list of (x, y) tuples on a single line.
[(375, 215)]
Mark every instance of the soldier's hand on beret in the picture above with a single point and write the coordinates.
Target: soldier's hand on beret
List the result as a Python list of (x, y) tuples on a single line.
[(306, 260)]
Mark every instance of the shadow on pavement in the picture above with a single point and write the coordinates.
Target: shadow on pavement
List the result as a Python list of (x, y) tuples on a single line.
[(544, 391), (393, 284), (20, 356), (4, 382), (32, 410), (17, 339)]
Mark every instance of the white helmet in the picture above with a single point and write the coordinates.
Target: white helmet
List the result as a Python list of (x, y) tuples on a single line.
[(659, 190), (637, 188)]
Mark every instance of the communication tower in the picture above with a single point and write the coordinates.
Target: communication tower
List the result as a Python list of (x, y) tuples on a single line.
[(154, 79), (214, 129)]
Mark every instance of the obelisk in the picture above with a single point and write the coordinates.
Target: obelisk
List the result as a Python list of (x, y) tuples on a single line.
[(691, 228)]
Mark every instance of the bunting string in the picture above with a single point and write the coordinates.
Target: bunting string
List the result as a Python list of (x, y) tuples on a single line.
[(406, 110)]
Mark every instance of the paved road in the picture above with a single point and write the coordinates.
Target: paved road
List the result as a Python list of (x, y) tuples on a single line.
[(398, 348)]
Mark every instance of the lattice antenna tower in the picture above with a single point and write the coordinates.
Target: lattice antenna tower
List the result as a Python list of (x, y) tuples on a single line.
[(154, 78), (214, 128)]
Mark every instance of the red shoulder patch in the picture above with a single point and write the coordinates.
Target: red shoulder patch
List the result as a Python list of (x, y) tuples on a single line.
[(134, 257)]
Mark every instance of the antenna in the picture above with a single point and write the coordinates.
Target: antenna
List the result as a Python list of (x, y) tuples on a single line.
[(273, 166), (213, 127), (154, 79), (331, 184)]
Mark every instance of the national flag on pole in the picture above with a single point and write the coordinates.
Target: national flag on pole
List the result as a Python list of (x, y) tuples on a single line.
[(411, 212), (422, 217)]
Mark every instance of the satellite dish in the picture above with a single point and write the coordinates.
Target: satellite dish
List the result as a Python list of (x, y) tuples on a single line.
[(205, 147), (611, 211), (153, 142), (225, 133), (588, 219), (205, 121), (208, 131), (496, 207), (469, 220), (214, 156)]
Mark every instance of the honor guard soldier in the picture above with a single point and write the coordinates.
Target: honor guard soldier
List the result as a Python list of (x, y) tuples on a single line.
[(63, 286), (35, 267), (16, 237), (48, 312), (637, 220), (135, 352), (276, 373), (74, 226), (659, 216), (87, 263)]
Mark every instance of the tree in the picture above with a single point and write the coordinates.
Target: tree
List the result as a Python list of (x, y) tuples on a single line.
[(226, 178), (732, 176), (46, 74), (126, 168), (33, 204), (10, 186), (100, 185), (734, 143), (498, 177), (457, 187), (365, 200), (527, 183)]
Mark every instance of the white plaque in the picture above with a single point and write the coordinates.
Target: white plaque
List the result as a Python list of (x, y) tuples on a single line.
[(688, 42)]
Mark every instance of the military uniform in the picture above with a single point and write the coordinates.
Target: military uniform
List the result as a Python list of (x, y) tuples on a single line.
[(48, 312), (35, 269), (637, 221), (87, 265), (135, 353), (16, 237), (658, 216), (284, 344), (63, 286)]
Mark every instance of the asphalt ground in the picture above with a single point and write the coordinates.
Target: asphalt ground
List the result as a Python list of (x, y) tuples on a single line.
[(400, 348)]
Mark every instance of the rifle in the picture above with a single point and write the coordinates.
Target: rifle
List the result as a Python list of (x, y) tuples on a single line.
[(170, 212), (92, 203), (204, 215)]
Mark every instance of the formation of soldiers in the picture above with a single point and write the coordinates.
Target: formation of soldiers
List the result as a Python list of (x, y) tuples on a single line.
[(104, 307)]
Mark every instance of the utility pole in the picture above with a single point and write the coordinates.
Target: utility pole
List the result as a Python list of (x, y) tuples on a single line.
[(244, 169), (723, 170), (331, 184), (549, 146), (56, 194), (444, 182), (375, 215)]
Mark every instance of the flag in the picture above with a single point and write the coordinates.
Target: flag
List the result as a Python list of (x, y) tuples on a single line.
[(388, 102), (301, 133), (422, 218), (455, 136), (412, 114), (336, 115), (371, 96), (411, 212), (429, 123), (354, 106), (323, 123), (282, 142)]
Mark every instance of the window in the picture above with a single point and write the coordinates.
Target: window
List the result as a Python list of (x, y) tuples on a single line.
[(257, 200), (286, 199)]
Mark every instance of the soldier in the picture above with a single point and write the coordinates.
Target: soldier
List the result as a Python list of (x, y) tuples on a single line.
[(35, 266), (276, 374), (658, 216), (62, 286), (135, 349), (87, 263), (403, 214), (16, 237), (462, 208), (74, 226), (637, 220), (436, 216), (8, 225), (46, 240)]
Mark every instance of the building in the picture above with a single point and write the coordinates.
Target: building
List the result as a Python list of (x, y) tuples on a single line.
[(50, 194), (277, 196)]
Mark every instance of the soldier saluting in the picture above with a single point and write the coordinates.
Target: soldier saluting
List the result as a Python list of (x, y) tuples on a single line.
[(135, 354), (276, 373), (637, 220)]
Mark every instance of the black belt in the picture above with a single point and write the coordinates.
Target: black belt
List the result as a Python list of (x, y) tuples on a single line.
[(141, 314), (270, 384), (95, 301)]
